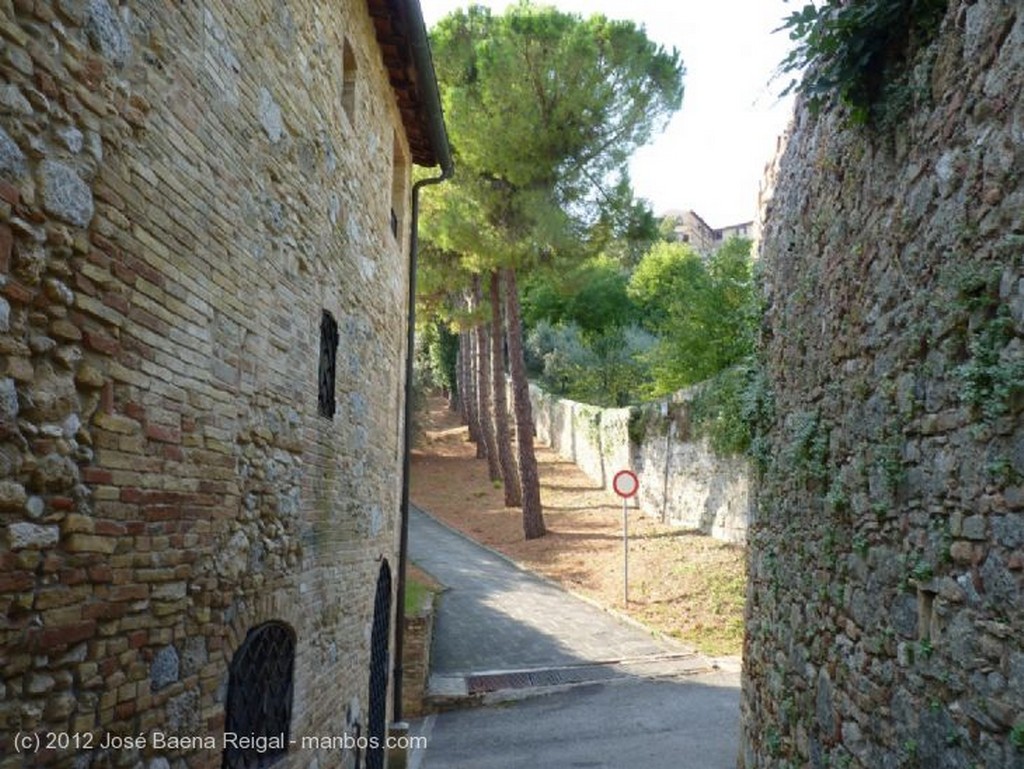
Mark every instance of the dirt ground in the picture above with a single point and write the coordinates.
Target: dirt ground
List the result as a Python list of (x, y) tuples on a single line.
[(683, 584)]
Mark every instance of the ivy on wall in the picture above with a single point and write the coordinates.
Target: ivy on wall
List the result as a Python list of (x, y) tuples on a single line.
[(856, 51)]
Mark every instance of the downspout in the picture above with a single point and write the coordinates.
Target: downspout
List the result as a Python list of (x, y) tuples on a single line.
[(439, 140)]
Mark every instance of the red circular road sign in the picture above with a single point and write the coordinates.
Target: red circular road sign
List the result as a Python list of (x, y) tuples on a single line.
[(625, 483)]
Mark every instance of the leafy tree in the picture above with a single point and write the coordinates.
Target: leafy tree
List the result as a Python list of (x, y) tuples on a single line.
[(702, 311), (667, 228), (626, 228), (544, 109), (585, 319), (592, 295), (437, 356), (607, 371)]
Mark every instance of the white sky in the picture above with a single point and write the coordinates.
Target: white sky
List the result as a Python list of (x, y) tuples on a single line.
[(712, 155)]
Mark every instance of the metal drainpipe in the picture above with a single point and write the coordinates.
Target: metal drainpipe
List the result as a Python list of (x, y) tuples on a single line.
[(439, 140), (403, 542)]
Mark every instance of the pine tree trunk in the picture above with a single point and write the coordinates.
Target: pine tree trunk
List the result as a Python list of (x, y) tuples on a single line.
[(533, 514), (509, 471), (460, 374), (472, 417), (483, 388)]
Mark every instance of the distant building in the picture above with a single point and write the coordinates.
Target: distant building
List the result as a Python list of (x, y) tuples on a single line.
[(690, 228)]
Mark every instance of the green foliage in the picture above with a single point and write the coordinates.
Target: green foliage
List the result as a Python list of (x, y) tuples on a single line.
[(626, 228), (640, 418), (855, 51), (704, 312), (925, 648), (442, 348), (1002, 471), (922, 571), (807, 450), (544, 109), (718, 410), (592, 296), (861, 546), (601, 369), (417, 596), (1017, 736), (994, 376), (758, 412), (888, 459)]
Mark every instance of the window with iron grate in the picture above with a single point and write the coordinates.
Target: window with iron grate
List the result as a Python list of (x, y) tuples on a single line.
[(258, 710), (328, 359)]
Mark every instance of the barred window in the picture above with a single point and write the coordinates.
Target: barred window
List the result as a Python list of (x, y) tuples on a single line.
[(258, 711), (328, 359)]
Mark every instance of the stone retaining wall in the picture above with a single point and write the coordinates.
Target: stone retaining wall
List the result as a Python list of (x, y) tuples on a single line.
[(682, 481)]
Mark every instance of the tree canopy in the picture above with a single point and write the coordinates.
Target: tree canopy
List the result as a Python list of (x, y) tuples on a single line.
[(544, 109), (701, 310)]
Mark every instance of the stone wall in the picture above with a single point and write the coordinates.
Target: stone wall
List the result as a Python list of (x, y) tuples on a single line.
[(185, 188), (885, 618), (683, 482)]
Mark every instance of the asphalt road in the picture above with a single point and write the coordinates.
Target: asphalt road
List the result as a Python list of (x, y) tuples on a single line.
[(685, 723), (661, 707)]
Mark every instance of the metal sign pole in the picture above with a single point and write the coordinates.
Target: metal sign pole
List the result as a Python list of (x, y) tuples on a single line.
[(625, 553), (625, 484)]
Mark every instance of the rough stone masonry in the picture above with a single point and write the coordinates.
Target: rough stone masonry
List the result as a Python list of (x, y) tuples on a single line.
[(885, 620), (190, 193)]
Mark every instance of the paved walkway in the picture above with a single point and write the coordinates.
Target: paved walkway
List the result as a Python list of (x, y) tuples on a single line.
[(501, 633), (497, 618)]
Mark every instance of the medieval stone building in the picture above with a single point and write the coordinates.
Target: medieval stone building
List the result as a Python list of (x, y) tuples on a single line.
[(205, 212)]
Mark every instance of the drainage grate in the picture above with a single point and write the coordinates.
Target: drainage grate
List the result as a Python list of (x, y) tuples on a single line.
[(526, 679)]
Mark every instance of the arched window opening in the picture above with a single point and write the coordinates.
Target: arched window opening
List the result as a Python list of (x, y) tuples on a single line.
[(380, 637), (258, 710)]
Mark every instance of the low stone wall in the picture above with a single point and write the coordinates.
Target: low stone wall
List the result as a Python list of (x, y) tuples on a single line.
[(682, 481)]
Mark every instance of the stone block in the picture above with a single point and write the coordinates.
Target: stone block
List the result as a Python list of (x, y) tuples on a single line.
[(8, 406), (32, 536), (65, 194), (107, 33), (164, 668), (12, 496), (116, 423), (12, 159), (974, 528)]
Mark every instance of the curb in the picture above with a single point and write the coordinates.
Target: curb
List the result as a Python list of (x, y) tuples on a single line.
[(450, 691)]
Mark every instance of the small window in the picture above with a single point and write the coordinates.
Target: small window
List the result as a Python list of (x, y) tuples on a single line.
[(348, 82), (328, 361), (399, 171)]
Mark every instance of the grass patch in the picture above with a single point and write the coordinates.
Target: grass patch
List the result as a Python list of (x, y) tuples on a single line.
[(420, 589)]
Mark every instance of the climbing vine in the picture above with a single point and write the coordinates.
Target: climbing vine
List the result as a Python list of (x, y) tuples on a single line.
[(857, 50)]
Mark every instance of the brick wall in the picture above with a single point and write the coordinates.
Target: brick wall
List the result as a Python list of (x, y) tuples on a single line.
[(182, 194)]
